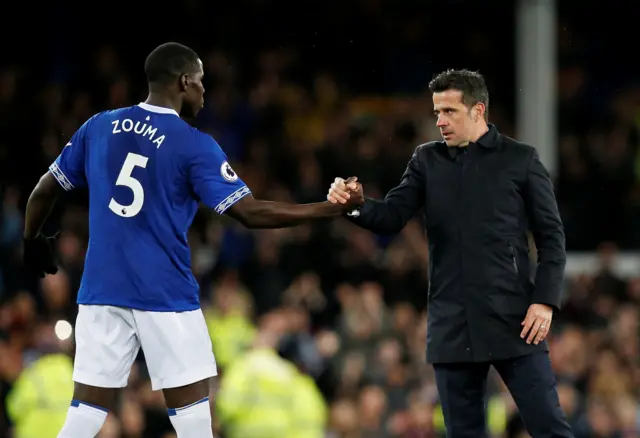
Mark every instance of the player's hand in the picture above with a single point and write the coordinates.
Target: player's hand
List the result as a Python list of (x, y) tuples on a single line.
[(537, 323), (348, 192), (38, 255)]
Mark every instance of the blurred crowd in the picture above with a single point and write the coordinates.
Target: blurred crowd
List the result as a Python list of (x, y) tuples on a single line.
[(349, 99)]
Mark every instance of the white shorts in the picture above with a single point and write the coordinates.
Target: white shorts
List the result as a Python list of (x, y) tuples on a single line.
[(176, 346)]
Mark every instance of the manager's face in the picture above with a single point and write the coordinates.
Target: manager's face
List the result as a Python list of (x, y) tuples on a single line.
[(454, 119)]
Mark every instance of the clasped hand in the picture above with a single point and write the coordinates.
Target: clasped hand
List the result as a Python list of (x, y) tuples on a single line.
[(347, 192)]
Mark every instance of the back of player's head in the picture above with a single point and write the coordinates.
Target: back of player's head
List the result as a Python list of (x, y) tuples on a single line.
[(470, 83), (168, 62)]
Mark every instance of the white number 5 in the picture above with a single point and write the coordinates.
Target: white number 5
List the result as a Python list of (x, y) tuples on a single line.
[(125, 179)]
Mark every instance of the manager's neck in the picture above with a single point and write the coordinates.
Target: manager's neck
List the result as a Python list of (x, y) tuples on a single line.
[(478, 131)]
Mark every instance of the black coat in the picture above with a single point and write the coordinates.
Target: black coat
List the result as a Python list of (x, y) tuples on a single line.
[(479, 204)]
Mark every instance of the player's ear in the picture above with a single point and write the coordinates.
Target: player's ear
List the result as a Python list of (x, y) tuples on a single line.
[(184, 83)]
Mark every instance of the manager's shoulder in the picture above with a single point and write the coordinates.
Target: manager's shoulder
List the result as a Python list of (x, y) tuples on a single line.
[(428, 147), (519, 148)]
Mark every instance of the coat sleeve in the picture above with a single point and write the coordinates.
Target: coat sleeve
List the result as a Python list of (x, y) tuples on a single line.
[(548, 234), (390, 215)]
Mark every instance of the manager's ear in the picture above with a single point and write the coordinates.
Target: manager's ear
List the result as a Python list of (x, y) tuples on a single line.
[(478, 111)]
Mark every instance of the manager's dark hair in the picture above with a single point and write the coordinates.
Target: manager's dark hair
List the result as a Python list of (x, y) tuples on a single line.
[(470, 83), (168, 62)]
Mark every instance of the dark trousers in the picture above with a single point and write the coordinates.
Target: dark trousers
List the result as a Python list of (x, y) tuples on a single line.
[(531, 382)]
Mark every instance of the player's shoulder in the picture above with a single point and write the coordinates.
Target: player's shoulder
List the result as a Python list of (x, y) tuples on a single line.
[(95, 118), (105, 116), (91, 125), (114, 113), (203, 137), (202, 140)]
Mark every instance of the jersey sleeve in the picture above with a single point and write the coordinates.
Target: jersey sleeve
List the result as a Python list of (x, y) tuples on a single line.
[(213, 180), (69, 167)]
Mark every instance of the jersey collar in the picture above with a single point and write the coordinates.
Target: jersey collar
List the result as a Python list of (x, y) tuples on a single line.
[(157, 109)]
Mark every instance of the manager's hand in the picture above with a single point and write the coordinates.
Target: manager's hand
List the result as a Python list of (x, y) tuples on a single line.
[(342, 190), (537, 323)]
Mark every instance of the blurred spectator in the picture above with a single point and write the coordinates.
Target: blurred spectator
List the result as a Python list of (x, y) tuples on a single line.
[(266, 392), (39, 399)]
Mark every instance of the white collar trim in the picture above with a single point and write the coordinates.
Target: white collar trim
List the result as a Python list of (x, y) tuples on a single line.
[(157, 109)]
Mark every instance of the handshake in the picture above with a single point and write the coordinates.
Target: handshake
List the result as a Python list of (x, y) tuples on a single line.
[(348, 193)]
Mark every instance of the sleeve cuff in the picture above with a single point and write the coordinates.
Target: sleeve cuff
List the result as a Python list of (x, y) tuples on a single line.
[(60, 176), (554, 301), (360, 213), (228, 202)]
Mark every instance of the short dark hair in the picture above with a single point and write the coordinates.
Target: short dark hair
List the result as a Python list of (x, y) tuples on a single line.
[(470, 83), (168, 61)]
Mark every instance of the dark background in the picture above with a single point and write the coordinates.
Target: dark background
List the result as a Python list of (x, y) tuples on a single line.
[(297, 94)]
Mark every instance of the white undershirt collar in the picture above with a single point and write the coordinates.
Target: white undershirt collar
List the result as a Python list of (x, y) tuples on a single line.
[(157, 109)]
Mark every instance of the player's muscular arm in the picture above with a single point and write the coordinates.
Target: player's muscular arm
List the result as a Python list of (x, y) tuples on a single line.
[(254, 213), (40, 204)]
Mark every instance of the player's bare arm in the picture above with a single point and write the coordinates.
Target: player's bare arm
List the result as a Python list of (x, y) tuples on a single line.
[(40, 204), (254, 213), (38, 255)]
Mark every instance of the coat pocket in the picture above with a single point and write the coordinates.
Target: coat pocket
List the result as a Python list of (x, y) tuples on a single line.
[(514, 259)]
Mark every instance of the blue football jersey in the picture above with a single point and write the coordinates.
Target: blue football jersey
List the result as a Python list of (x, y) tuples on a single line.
[(146, 170)]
